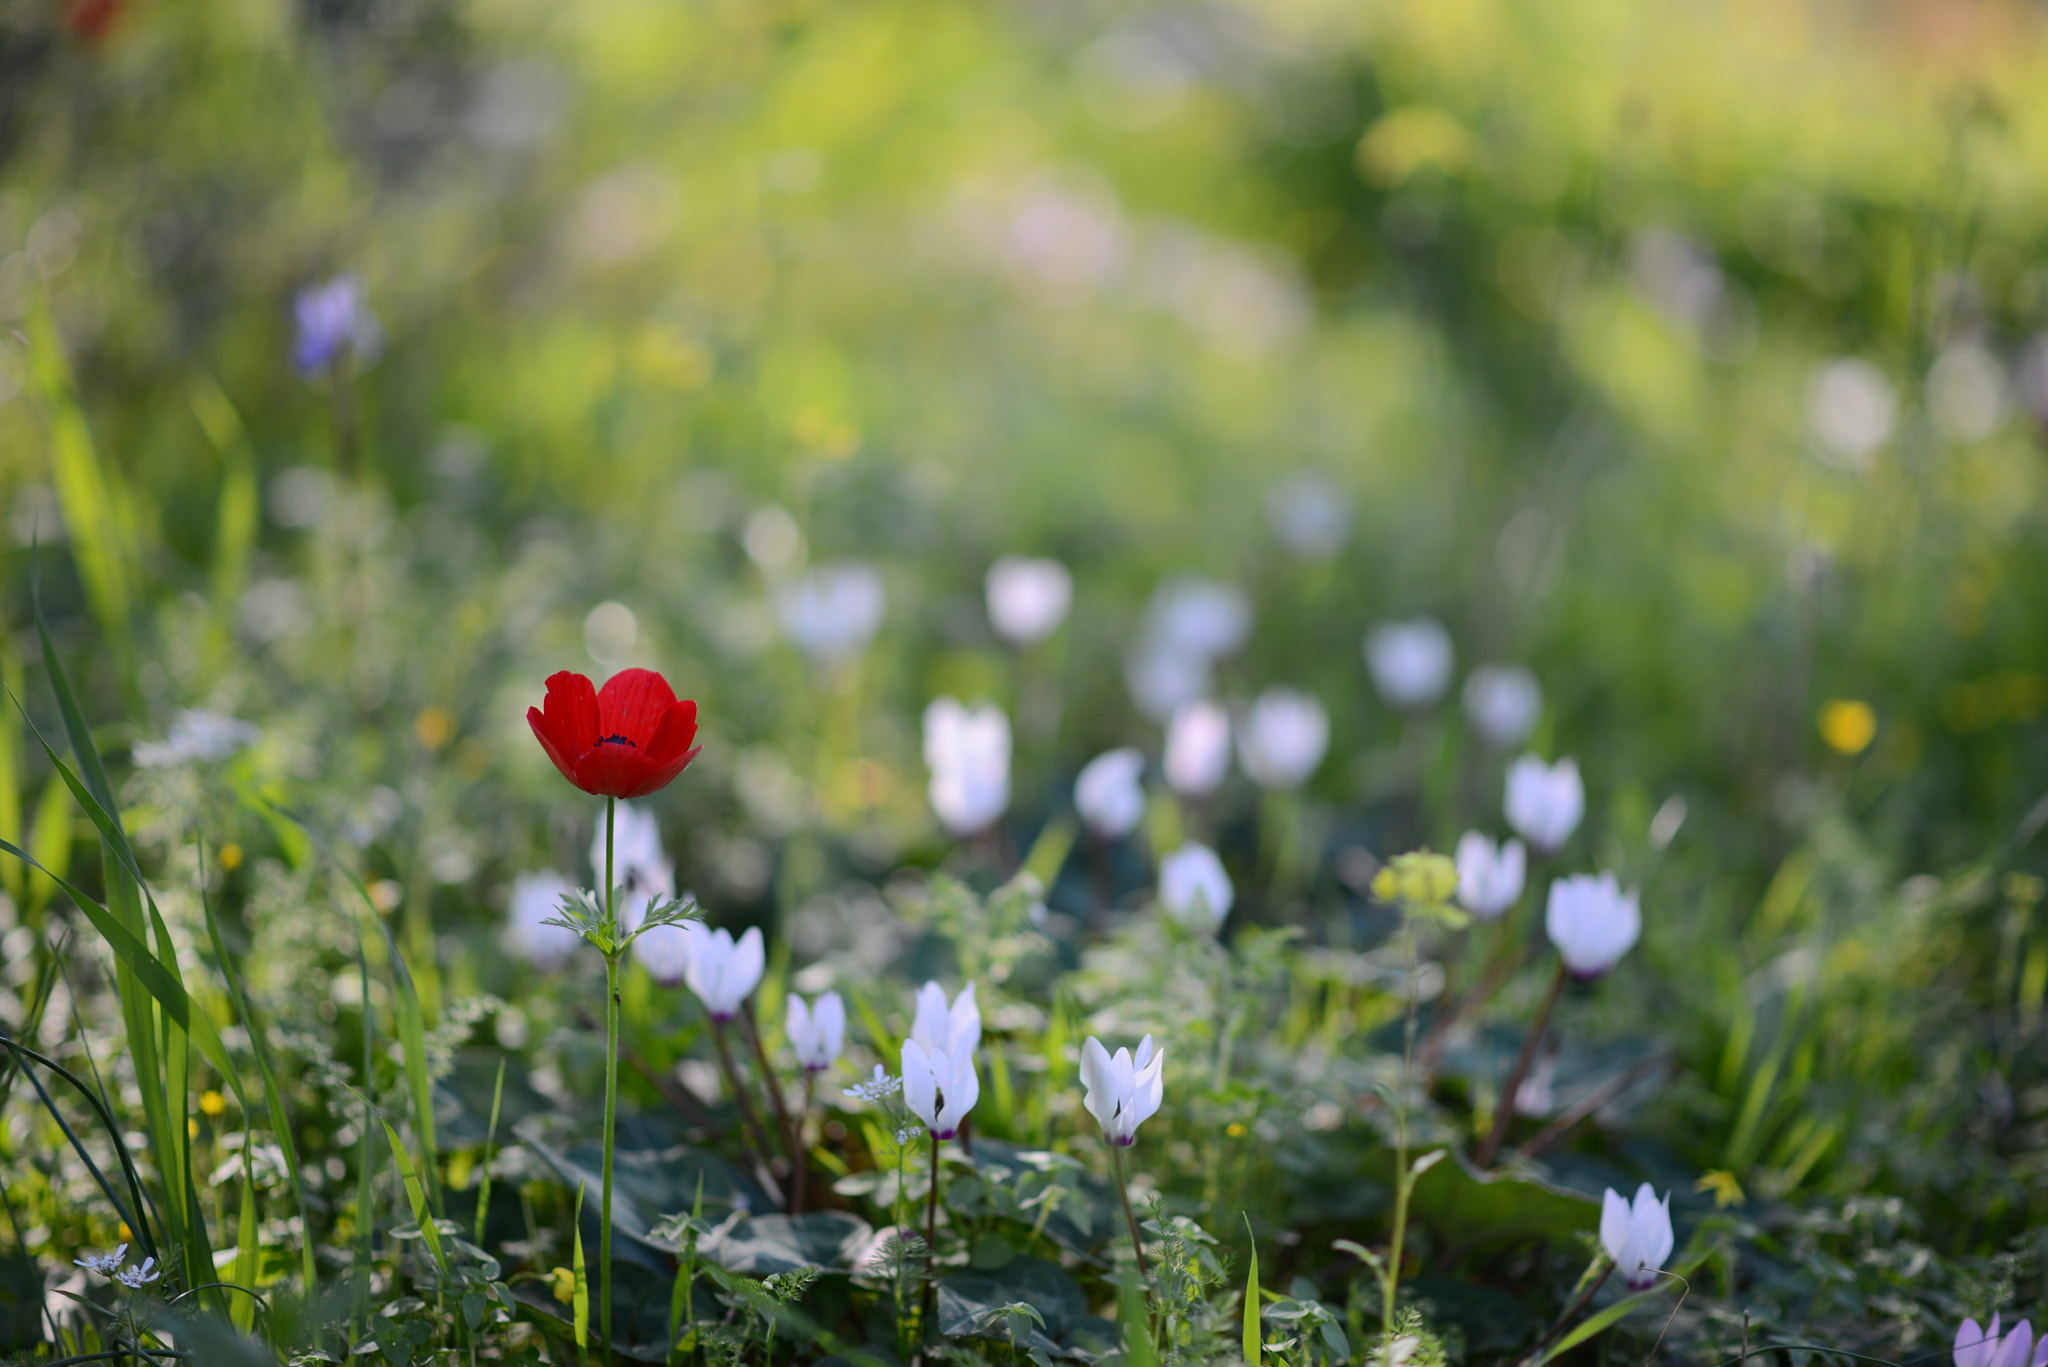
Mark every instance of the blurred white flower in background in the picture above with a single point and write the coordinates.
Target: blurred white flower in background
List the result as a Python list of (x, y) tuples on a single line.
[(664, 951), (833, 612), (610, 631), (195, 737), (1309, 515), (772, 539), (1966, 392), (1194, 888), (723, 972), (1850, 408), (643, 872), (1638, 1235), (1028, 598), (1503, 703), (817, 1031), (1545, 802), (535, 898), (1490, 875), (1109, 793), (1283, 738), (1123, 1091), (939, 1088), (1410, 660), (1067, 233), (952, 1029), (1592, 922), (1197, 748), (1188, 625), (968, 753)]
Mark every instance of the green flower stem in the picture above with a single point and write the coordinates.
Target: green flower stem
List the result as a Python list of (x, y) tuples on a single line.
[(1116, 1163), (757, 1134), (1505, 1111), (792, 1143), (931, 1244), (611, 1091)]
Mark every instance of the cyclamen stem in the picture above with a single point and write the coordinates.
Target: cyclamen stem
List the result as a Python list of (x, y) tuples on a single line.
[(1116, 1163), (931, 1244), (611, 1093), (748, 1114), (1591, 1290), (1505, 1112), (792, 1143)]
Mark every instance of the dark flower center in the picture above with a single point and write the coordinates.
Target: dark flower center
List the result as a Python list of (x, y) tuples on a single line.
[(618, 740)]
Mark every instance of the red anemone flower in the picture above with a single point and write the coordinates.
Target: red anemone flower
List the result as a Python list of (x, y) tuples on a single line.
[(629, 740)]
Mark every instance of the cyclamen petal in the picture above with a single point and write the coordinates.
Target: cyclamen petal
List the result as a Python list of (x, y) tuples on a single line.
[(1122, 1092)]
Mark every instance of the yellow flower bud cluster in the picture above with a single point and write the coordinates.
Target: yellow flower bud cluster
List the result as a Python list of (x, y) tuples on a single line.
[(1421, 878)]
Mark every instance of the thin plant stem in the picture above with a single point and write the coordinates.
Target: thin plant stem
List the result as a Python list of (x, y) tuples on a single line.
[(611, 1087), (1116, 1163), (1505, 1112), (1390, 1278), (931, 1243), (748, 1115), (1578, 1304), (791, 1144)]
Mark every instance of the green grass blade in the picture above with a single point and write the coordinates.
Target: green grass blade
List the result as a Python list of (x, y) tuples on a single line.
[(416, 1197), (580, 1285), (1251, 1303), (483, 1186)]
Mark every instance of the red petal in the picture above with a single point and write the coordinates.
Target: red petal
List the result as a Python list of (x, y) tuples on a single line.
[(632, 705), (661, 775), (568, 725), (613, 771), (539, 723), (678, 728)]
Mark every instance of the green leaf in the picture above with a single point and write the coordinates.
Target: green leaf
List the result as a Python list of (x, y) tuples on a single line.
[(580, 1294), (416, 1197), (1251, 1303)]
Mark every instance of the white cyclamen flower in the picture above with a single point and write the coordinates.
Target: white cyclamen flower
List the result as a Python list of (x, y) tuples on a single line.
[(204, 737), (1283, 739), (135, 1278), (1108, 793), (954, 1029), (816, 1032), (1545, 802), (537, 897), (1198, 617), (106, 1264), (645, 876), (939, 1088), (723, 973), (664, 951), (1410, 661), (1028, 598), (1123, 1091), (968, 752), (1637, 1236), (1490, 876), (834, 611), (1503, 702), (1592, 922), (1977, 1347), (1194, 888), (1197, 749)]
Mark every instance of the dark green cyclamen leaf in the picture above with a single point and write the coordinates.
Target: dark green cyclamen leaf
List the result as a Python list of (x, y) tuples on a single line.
[(766, 1244)]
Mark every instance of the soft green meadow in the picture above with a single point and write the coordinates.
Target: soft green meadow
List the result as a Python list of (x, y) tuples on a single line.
[(1371, 683)]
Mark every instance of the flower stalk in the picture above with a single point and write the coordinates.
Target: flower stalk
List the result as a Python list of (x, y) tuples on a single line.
[(611, 1085), (1504, 1112), (1116, 1163), (791, 1144)]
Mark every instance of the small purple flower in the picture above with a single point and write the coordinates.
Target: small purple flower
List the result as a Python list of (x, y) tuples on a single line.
[(333, 322)]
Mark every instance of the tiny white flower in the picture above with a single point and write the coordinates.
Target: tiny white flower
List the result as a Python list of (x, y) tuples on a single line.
[(939, 1088), (831, 613), (1503, 703), (1028, 598), (135, 1278), (1197, 749), (1108, 792), (816, 1032), (1123, 1092), (536, 897), (1592, 922), (1410, 661), (949, 1029), (645, 875), (195, 737), (664, 951), (1490, 876), (106, 1264), (968, 753), (1283, 739), (1194, 887), (1545, 802), (1636, 1235), (723, 973), (880, 1087)]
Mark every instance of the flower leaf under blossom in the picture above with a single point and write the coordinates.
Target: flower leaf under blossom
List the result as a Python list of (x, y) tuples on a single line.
[(582, 912)]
